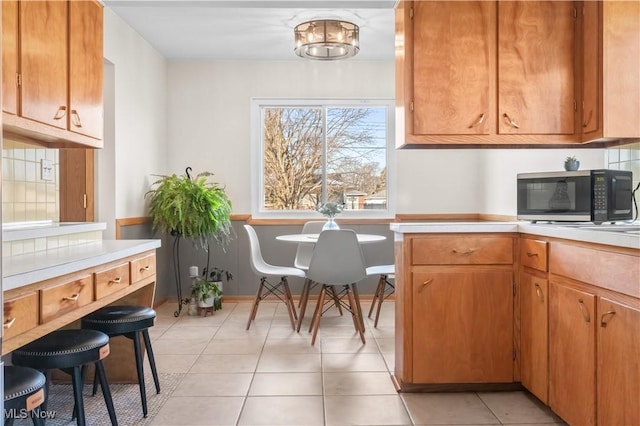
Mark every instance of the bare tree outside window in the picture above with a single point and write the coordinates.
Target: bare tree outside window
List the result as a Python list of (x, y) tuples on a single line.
[(318, 154)]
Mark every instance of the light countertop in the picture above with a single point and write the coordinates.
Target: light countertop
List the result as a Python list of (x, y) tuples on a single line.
[(30, 268), (603, 234)]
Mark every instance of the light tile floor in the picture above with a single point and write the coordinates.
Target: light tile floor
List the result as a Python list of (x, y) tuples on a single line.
[(271, 375)]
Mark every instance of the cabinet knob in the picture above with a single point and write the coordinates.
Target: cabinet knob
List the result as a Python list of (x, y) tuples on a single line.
[(584, 310), (61, 112), (605, 317), (72, 298), (539, 292), (425, 284), (8, 323), (510, 121), (478, 122)]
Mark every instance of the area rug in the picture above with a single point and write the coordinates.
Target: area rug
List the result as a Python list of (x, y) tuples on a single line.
[(126, 401)]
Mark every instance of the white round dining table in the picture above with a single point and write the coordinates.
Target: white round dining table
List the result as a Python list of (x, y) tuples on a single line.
[(313, 238)]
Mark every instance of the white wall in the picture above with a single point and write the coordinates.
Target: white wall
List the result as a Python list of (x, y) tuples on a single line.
[(140, 119), (209, 129)]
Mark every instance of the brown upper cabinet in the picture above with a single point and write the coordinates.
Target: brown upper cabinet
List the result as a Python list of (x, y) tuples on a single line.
[(513, 73), (610, 70), (52, 71)]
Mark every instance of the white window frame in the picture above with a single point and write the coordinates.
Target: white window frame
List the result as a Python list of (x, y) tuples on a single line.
[(257, 158)]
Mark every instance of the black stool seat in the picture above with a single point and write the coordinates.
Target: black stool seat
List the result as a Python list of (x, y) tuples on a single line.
[(23, 390), (69, 351), (62, 349), (116, 320), (130, 321)]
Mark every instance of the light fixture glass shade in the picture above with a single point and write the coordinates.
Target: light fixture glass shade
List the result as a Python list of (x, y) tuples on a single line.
[(327, 39)]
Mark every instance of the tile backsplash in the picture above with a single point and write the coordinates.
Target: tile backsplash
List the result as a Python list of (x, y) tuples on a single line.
[(25, 195), (625, 157)]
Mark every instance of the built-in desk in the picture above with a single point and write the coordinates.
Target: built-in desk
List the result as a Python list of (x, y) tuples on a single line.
[(53, 289)]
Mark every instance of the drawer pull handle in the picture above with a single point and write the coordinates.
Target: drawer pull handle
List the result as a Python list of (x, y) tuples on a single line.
[(586, 123), (73, 298), (468, 251), (605, 317), (585, 312), (539, 292), (116, 280), (425, 284), (146, 268), (8, 323), (478, 122), (529, 254), (75, 118), (61, 112)]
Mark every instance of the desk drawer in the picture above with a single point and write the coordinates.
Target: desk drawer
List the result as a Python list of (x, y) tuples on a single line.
[(533, 254), (20, 315), (143, 267), (463, 250), (62, 298), (111, 280)]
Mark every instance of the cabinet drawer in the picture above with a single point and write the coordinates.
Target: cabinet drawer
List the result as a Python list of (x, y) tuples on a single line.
[(533, 254), (143, 267), (111, 280), (462, 251), (60, 299), (20, 315)]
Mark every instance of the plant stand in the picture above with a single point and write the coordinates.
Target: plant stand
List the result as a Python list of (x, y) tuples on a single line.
[(205, 311), (176, 263)]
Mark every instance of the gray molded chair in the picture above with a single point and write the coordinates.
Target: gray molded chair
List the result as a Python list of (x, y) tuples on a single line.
[(265, 270), (384, 289), (338, 260)]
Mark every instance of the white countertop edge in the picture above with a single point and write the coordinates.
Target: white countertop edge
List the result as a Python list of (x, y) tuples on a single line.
[(618, 239), (66, 228), (21, 270)]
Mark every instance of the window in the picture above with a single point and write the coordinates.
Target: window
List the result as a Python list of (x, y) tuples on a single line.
[(311, 152)]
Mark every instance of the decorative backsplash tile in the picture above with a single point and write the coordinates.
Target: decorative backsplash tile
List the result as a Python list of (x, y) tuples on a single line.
[(32, 245), (625, 157), (25, 195)]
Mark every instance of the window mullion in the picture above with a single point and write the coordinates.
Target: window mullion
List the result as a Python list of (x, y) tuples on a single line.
[(325, 153)]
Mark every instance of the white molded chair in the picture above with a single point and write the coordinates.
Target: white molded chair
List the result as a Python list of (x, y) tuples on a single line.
[(338, 260), (384, 289), (265, 270), (302, 259)]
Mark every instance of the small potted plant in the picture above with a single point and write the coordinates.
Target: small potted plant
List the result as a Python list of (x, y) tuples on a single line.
[(207, 288), (571, 163)]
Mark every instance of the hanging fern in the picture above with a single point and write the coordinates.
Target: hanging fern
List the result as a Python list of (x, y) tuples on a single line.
[(191, 208)]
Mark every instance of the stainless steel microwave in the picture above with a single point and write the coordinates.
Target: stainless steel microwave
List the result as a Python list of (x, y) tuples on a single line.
[(581, 196)]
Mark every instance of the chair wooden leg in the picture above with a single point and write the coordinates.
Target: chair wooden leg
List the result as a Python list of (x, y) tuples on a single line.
[(315, 311), (356, 297), (304, 298), (291, 310), (318, 314), (376, 295), (254, 308), (356, 314)]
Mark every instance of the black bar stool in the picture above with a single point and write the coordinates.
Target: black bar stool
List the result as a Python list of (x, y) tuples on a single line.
[(69, 350), (128, 321), (23, 393)]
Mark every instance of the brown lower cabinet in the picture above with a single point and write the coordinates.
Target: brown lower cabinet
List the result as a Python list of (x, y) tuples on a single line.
[(572, 357)]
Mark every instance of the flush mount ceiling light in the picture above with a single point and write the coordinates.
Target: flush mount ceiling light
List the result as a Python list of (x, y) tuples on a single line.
[(326, 39)]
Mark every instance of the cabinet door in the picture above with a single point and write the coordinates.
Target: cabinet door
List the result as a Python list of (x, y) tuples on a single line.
[(535, 67), (618, 364), (572, 349), (533, 335), (463, 326), (10, 56), (451, 67), (591, 68), (43, 52), (86, 68)]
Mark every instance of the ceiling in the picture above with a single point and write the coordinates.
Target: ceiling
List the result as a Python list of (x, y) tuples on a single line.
[(251, 30)]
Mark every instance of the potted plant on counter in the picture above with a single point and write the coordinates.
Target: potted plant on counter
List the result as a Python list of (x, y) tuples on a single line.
[(571, 163)]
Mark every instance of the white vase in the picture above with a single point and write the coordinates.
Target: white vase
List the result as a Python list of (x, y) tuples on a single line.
[(331, 224), (206, 303)]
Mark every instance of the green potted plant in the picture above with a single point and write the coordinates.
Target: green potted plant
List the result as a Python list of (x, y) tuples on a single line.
[(571, 163), (207, 288), (191, 208)]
